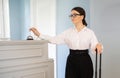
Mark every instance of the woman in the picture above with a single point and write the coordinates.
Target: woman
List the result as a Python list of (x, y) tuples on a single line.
[(79, 39)]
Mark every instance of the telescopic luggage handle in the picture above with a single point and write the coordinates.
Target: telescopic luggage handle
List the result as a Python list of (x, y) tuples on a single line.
[(96, 64)]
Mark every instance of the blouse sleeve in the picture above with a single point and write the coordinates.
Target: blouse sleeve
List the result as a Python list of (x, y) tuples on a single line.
[(59, 39), (93, 42)]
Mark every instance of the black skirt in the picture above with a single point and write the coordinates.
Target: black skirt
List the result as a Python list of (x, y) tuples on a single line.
[(79, 65)]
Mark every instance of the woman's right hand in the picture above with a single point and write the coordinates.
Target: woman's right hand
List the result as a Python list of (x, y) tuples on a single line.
[(35, 31)]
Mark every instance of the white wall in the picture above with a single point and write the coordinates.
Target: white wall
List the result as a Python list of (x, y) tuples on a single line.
[(105, 21)]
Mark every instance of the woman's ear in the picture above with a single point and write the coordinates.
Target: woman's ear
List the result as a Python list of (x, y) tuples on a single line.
[(82, 16)]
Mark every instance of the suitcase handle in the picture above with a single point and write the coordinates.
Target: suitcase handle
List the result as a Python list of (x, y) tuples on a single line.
[(96, 64)]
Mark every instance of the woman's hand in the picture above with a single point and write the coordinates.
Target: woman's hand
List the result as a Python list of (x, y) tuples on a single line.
[(35, 31), (99, 48)]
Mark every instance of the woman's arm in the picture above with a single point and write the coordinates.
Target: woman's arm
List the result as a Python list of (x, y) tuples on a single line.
[(59, 39), (95, 45)]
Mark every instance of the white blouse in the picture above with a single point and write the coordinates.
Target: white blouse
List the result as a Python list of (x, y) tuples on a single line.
[(85, 39)]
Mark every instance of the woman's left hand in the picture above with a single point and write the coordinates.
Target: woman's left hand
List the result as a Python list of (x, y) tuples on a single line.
[(99, 48)]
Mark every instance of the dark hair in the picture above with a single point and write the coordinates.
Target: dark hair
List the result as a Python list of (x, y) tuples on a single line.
[(82, 12)]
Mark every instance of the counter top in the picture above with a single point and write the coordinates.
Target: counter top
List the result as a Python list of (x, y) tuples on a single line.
[(21, 42)]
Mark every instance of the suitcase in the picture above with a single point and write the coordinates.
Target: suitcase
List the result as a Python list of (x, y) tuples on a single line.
[(96, 64)]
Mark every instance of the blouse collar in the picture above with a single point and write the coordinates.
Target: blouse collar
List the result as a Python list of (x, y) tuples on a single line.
[(81, 29)]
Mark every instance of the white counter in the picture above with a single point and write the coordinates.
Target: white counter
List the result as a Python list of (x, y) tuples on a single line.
[(25, 59)]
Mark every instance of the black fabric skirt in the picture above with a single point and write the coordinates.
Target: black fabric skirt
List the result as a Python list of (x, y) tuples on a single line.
[(79, 64)]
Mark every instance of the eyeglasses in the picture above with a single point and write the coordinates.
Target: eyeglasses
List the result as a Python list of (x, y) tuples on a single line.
[(74, 15)]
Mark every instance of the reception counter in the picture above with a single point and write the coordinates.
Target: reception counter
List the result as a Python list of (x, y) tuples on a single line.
[(25, 59)]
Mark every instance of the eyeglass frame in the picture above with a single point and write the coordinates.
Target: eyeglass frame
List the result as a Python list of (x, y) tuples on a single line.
[(74, 15)]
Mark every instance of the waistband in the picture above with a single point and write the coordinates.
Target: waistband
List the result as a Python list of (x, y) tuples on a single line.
[(78, 51)]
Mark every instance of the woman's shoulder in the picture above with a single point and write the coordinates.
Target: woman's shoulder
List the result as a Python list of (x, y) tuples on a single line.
[(89, 29)]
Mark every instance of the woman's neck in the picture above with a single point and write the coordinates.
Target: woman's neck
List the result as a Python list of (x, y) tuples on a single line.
[(79, 27)]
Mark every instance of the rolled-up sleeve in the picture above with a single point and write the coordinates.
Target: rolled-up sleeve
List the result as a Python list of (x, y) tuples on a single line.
[(93, 41)]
